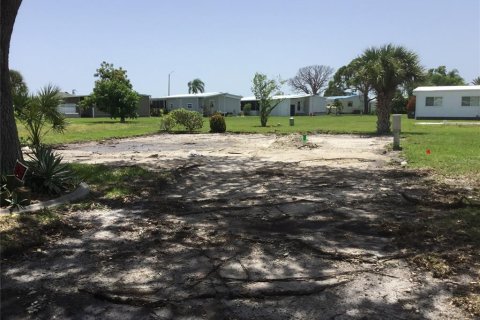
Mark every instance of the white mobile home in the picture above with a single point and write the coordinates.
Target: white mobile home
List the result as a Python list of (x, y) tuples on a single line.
[(352, 103), (290, 105), (205, 103), (452, 102)]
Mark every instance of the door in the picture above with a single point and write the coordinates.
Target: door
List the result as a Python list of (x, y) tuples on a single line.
[(292, 110)]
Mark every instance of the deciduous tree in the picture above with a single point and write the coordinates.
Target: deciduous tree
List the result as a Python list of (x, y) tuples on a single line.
[(352, 77), (442, 77), (17, 83), (113, 93), (264, 89), (311, 79)]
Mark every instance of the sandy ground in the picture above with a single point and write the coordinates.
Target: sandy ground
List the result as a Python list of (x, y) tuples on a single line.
[(253, 227), (341, 150)]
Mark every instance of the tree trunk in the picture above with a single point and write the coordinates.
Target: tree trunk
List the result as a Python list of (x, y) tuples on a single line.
[(264, 114), (9, 144), (365, 103), (383, 112), (263, 120)]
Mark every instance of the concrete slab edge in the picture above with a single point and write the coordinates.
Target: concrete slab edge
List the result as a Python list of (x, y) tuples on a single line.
[(81, 192)]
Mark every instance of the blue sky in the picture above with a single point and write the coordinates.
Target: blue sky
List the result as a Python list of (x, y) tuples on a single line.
[(225, 42)]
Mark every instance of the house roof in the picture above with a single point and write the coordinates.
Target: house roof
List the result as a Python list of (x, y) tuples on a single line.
[(288, 96), (69, 95), (250, 98), (198, 95), (292, 96), (342, 97), (446, 88)]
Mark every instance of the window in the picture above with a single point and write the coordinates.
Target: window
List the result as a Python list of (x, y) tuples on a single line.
[(433, 101), (189, 105), (298, 106), (471, 101), (350, 103)]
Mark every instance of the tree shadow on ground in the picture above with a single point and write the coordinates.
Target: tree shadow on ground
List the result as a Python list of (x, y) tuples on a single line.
[(230, 238)]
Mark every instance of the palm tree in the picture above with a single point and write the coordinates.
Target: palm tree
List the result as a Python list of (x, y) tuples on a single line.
[(388, 68), (39, 113), (196, 86), (476, 81)]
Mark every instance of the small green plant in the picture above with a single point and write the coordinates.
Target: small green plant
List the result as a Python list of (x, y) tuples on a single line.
[(247, 109), (217, 123), (338, 106), (167, 123), (191, 120), (155, 112), (11, 199), (47, 173)]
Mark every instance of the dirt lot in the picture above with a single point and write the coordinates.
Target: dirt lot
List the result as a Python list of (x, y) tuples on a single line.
[(252, 227)]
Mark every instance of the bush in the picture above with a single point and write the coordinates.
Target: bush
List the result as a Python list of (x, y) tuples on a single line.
[(13, 199), (155, 112), (167, 123), (399, 104), (46, 173), (191, 120), (217, 123), (247, 108), (411, 104)]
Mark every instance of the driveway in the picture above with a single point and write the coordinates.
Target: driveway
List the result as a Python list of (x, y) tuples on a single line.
[(252, 227)]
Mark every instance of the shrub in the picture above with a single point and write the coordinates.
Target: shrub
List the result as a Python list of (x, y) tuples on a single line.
[(399, 104), (47, 173), (191, 120), (412, 101), (39, 113), (167, 123), (12, 199), (155, 112), (247, 108), (217, 123)]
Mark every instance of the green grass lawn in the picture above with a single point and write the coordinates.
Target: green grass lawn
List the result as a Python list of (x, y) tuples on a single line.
[(91, 129), (454, 149)]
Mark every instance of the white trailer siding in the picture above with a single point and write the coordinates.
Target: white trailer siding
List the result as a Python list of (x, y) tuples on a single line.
[(206, 103), (187, 103), (317, 105), (351, 104), (231, 104), (282, 109), (454, 102), (300, 104)]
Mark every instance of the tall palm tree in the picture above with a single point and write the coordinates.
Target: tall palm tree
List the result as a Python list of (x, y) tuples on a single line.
[(388, 68), (476, 81), (196, 86)]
